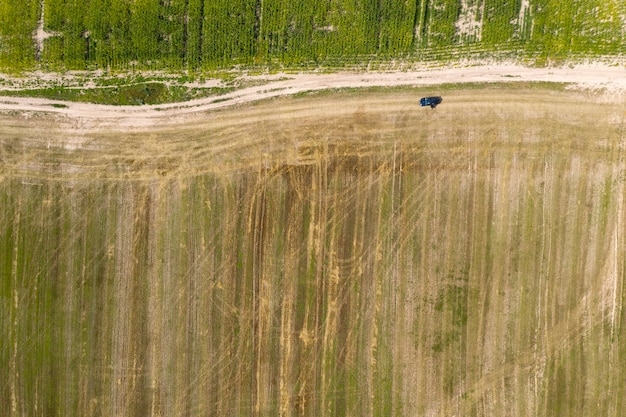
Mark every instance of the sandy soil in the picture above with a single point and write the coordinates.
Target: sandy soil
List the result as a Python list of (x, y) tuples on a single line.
[(609, 80)]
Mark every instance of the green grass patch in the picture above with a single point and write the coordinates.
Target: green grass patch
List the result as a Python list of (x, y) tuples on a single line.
[(134, 94)]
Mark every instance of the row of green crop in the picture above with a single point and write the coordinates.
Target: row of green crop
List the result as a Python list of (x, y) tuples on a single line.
[(219, 33), (584, 26), (18, 20)]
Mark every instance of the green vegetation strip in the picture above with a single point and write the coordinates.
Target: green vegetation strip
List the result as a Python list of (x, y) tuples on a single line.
[(134, 94)]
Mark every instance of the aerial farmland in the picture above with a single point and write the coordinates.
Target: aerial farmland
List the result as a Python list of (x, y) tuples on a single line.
[(239, 208)]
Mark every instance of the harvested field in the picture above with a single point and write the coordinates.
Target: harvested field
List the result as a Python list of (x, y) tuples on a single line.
[(346, 254)]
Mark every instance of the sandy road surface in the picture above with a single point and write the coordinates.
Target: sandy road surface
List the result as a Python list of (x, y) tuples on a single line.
[(611, 79)]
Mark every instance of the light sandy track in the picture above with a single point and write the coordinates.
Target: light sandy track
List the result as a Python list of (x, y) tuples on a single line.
[(611, 79)]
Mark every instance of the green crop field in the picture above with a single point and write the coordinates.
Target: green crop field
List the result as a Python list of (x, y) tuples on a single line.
[(342, 254), (202, 34)]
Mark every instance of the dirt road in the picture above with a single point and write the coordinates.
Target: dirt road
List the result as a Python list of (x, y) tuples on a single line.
[(609, 79)]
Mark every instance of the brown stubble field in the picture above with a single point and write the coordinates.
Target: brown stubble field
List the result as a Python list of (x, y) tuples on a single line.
[(344, 253)]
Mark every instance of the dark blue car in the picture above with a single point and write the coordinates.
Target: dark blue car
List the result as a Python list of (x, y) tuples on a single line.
[(430, 101)]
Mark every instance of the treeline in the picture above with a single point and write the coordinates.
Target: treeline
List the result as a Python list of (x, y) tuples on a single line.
[(175, 34)]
